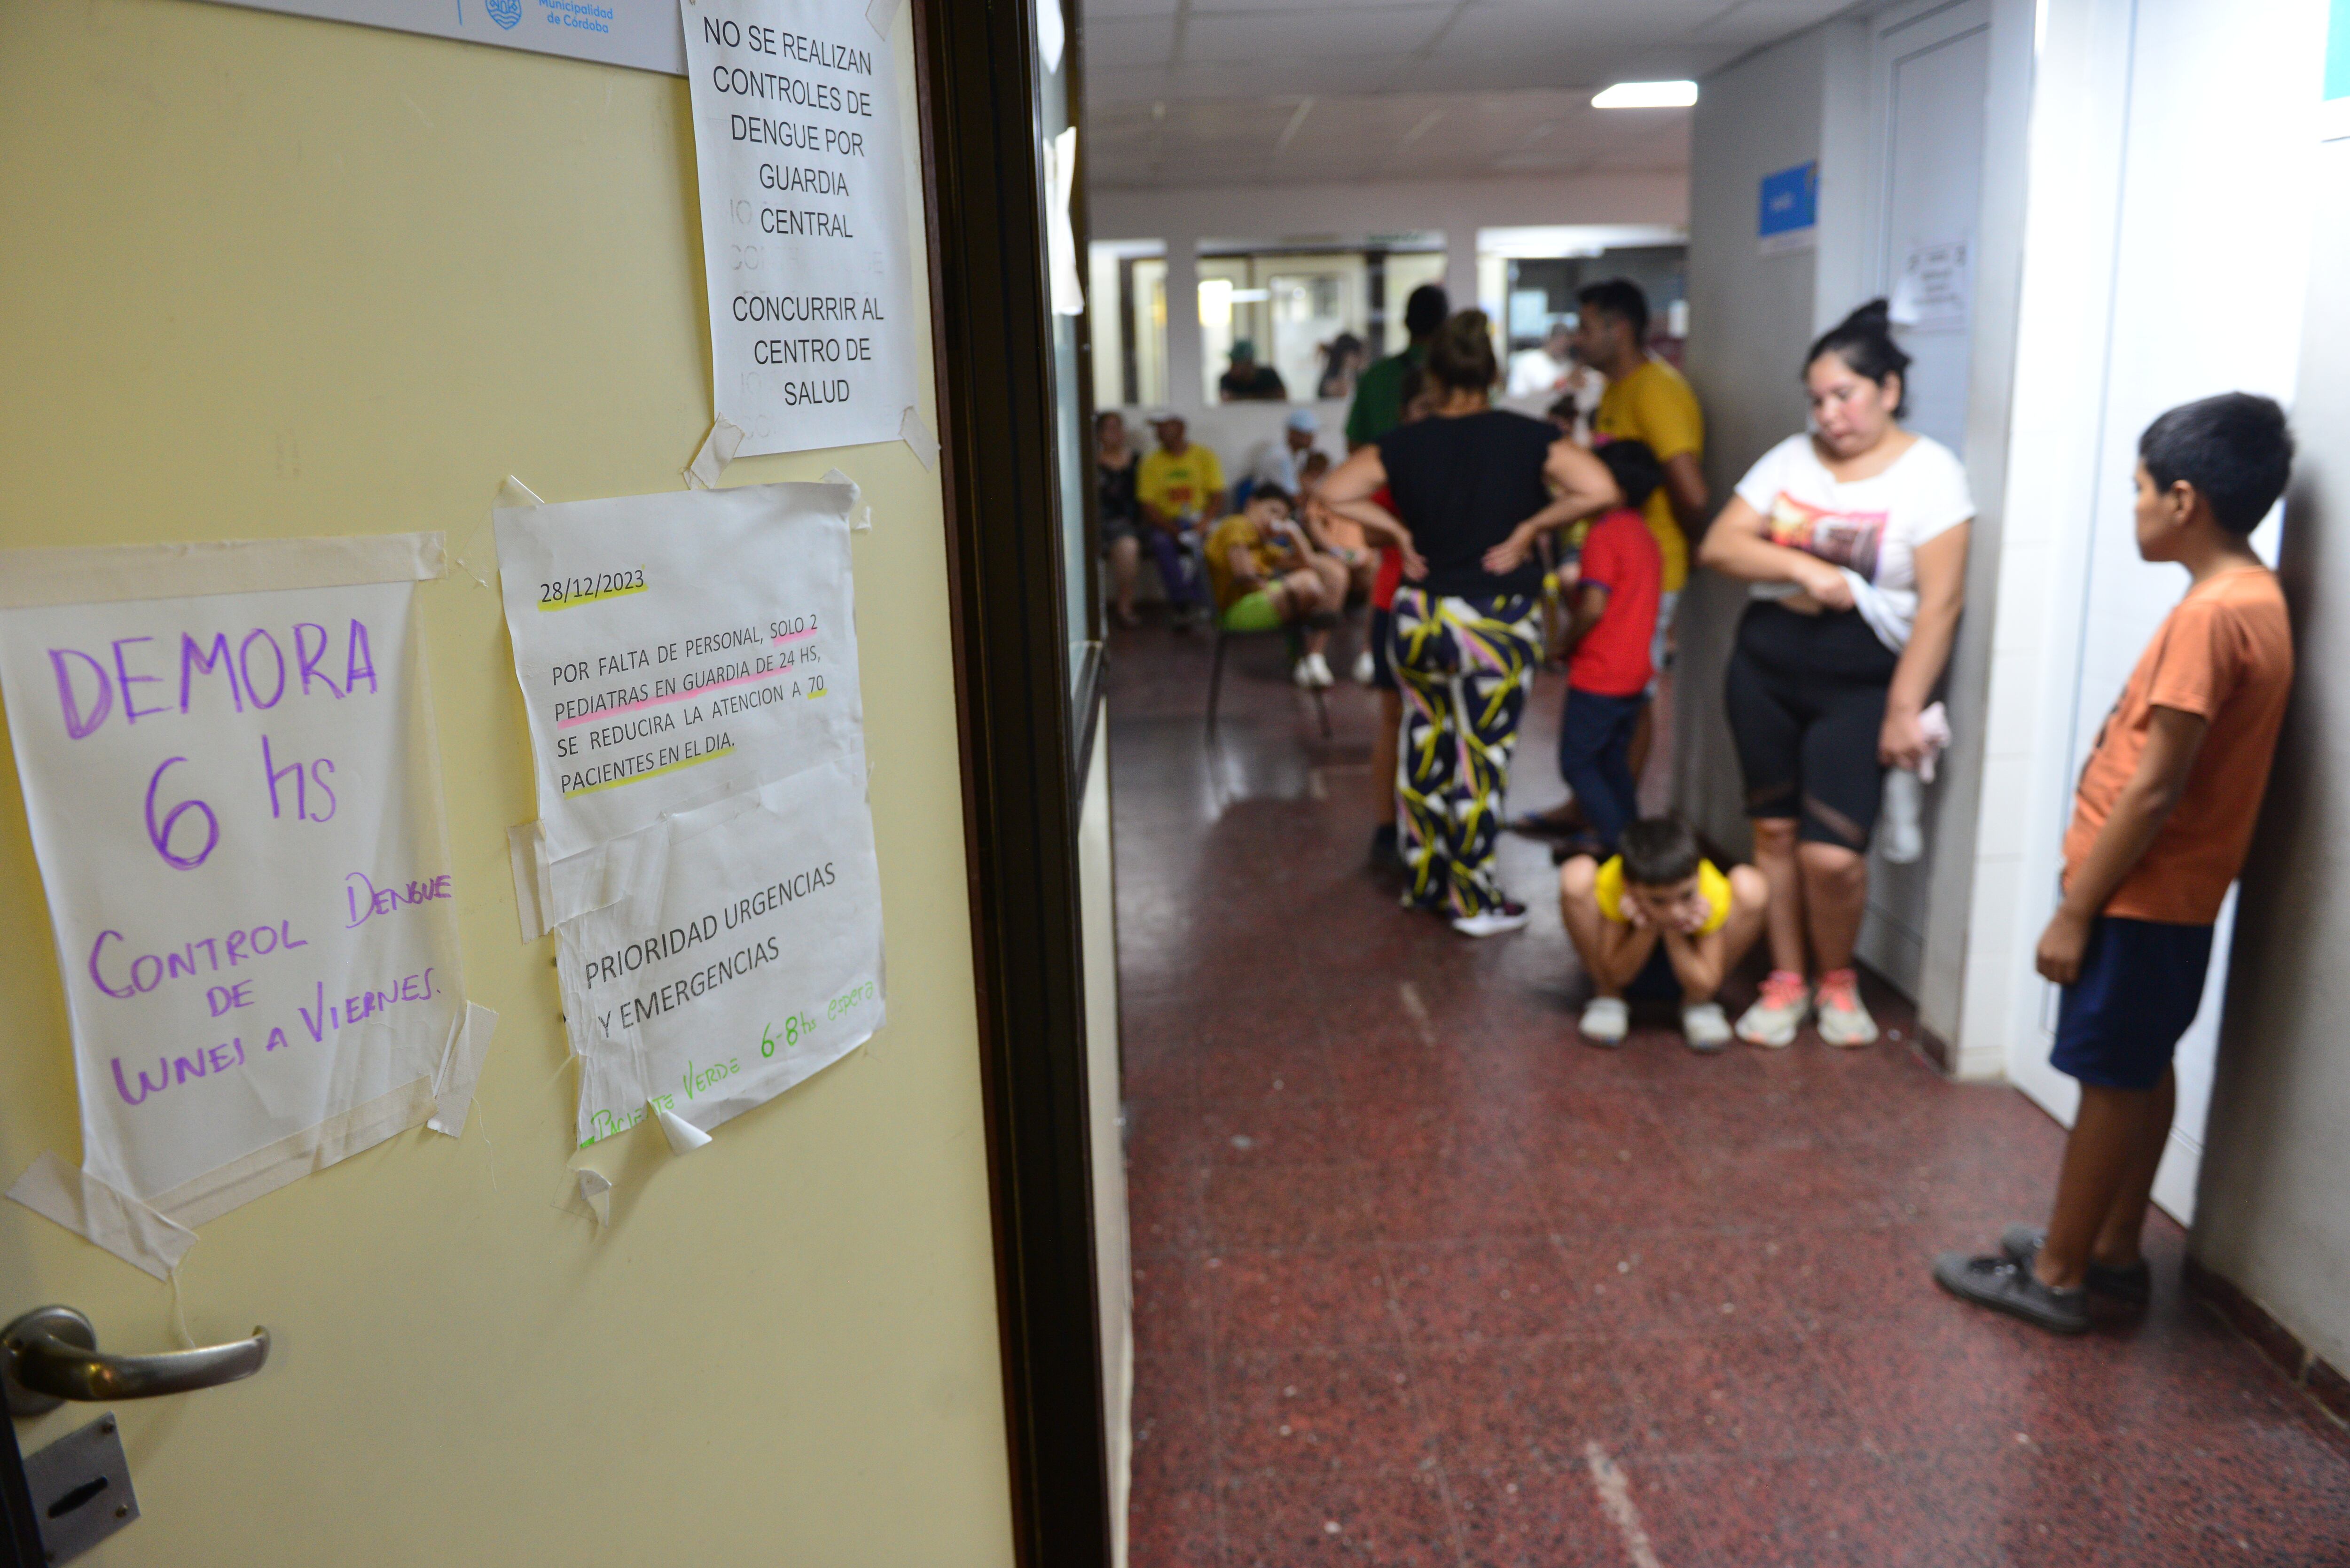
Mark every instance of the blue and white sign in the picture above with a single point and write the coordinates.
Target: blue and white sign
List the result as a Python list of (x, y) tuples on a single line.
[(2333, 117), (1788, 216), (638, 33)]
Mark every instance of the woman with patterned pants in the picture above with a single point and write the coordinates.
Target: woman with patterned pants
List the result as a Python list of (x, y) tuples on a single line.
[(1464, 665), (1473, 488)]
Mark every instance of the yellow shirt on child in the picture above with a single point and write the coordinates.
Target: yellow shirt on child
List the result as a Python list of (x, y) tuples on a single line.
[(1610, 891), (1270, 555)]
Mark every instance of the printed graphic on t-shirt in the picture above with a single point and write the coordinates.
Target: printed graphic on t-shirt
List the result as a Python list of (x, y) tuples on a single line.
[(1839, 538)]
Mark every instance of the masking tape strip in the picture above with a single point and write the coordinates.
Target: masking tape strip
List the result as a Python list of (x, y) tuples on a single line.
[(547, 893), (523, 858), (915, 431), (859, 521), (297, 1155), (879, 14), (114, 1221), (78, 575), (453, 1094), (596, 1192), (514, 494), (726, 440)]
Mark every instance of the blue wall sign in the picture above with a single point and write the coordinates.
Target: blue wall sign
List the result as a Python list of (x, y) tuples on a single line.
[(1789, 207)]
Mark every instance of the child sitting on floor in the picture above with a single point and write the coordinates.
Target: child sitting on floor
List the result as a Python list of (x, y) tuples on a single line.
[(1658, 897)]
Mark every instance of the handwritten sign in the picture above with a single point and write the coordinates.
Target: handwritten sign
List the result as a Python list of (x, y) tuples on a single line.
[(674, 649), (751, 962), (247, 874), (813, 321)]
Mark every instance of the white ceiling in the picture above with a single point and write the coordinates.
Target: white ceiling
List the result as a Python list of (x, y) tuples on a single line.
[(1214, 92)]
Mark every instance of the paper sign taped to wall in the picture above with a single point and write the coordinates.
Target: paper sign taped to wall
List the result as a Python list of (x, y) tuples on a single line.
[(675, 648), (815, 331), (754, 961), (236, 802)]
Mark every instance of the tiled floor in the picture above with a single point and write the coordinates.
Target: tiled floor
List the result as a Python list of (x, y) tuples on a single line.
[(1420, 1279)]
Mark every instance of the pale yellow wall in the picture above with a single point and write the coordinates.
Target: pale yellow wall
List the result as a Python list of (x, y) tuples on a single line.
[(267, 276)]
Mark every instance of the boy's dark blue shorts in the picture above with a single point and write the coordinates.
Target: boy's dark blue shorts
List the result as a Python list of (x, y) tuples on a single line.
[(2141, 981)]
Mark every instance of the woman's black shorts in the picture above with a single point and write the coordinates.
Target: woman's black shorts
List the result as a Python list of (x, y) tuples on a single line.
[(1807, 700)]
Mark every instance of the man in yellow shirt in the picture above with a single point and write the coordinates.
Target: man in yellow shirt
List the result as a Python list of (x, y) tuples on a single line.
[(1646, 400), (1180, 486)]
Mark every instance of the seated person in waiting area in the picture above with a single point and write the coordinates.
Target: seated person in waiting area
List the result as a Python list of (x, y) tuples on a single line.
[(1659, 896), (1340, 536), (1266, 573)]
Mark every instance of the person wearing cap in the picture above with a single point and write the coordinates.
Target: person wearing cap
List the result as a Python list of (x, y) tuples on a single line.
[(1277, 462), (1180, 487), (1248, 382)]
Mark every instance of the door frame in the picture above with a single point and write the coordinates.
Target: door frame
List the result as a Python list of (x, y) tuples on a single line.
[(1023, 760)]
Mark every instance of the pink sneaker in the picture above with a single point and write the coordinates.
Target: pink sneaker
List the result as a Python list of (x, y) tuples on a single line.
[(1842, 1020), (1778, 1012)]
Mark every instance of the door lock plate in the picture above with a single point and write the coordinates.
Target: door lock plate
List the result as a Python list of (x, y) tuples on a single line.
[(81, 1489)]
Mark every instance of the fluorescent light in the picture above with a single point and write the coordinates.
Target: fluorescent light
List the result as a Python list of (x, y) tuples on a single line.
[(1251, 296), (1647, 95)]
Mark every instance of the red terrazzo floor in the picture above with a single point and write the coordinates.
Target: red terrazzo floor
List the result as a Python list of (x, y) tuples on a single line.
[(1410, 1260)]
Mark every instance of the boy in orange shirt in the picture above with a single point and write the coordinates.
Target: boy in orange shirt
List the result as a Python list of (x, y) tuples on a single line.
[(2161, 821)]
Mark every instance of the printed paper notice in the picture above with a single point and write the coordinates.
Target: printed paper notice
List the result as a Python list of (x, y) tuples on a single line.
[(1935, 289), (248, 881), (755, 962), (804, 235), (673, 649)]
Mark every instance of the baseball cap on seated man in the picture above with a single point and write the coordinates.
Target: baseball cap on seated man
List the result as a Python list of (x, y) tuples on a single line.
[(1303, 422)]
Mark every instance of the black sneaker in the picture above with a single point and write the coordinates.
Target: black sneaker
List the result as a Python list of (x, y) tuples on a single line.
[(2000, 1282), (1384, 852), (2132, 1287)]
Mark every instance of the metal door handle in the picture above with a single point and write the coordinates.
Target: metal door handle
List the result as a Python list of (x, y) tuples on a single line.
[(50, 1355)]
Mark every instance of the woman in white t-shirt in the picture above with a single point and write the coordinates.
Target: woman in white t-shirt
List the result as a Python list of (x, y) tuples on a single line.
[(1855, 537)]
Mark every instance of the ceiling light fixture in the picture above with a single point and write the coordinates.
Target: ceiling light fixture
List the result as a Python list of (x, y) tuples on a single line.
[(1647, 95)]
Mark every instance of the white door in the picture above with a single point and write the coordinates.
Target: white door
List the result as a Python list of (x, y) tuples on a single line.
[(276, 277), (2216, 103), (1929, 75)]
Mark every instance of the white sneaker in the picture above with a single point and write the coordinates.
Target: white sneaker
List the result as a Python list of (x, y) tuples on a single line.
[(1606, 1021), (1320, 670), (1704, 1027), (1844, 1019), (1366, 669), (1778, 1012), (1302, 672), (1493, 923)]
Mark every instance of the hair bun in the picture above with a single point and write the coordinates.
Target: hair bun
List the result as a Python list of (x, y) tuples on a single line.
[(1876, 316)]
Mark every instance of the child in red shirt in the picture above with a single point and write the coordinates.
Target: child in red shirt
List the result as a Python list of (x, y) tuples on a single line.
[(1616, 594)]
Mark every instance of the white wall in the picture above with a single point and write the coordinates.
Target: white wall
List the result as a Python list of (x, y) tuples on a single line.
[(2143, 114), (1348, 214), (2270, 1215), (1751, 317)]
